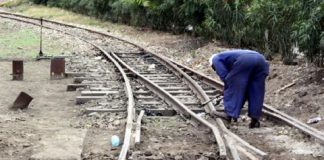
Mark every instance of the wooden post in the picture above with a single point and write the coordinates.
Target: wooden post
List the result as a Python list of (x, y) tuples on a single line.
[(57, 68), (17, 70)]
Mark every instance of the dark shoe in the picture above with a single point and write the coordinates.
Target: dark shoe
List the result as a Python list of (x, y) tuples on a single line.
[(225, 117), (222, 115), (254, 123)]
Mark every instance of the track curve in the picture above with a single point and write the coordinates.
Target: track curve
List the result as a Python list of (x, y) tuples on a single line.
[(221, 132)]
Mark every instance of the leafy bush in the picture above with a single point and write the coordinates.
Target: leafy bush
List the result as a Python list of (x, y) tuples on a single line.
[(268, 26), (309, 30)]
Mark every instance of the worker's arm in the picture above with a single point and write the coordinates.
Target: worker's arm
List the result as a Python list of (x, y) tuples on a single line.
[(220, 67)]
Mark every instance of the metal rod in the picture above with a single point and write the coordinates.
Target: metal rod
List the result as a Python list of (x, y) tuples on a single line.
[(41, 39), (218, 101)]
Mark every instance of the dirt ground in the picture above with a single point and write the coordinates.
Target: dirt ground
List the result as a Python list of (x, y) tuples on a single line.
[(173, 138), (52, 127), (35, 132), (22, 41), (305, 99)]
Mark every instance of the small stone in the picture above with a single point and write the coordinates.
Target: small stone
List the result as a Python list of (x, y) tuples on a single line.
[(117, 122), (148, 153), (94, 114), (209, 154), (178, 157), (143, 128), (158, 157), (111, 119), (151, 67), (203, 158), (136, 153), (26, 145), (302, 94), (155, 140)]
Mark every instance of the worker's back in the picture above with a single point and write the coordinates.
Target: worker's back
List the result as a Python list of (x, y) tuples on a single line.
[(229, 57)]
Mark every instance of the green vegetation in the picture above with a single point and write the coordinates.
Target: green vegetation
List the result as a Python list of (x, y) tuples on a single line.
[(268, 26), (58, 14), (12, 3), (23, 43)]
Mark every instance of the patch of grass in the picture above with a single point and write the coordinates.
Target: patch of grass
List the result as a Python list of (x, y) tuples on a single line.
[(54, 13), (30, 48), (193, 54), (13, 3), (23, 43)]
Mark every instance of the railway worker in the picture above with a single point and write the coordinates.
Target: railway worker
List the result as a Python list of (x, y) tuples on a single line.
[(243, 73)]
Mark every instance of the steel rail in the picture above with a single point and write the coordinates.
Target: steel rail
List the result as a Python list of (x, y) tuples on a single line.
[(73, 26), (203, 97), (187, 79), (268, 109), (198, 90), (272, 109), (245, 144), (209, 81), (194, 86), (202, 77), (128, 88), (177, 105)]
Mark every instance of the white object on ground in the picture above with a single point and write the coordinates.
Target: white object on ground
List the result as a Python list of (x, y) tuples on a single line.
[(202, 114), (314, 120), (115, 141), (151, 67)]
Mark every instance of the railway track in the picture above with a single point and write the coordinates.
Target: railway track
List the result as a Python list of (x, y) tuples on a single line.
[(167, 87)]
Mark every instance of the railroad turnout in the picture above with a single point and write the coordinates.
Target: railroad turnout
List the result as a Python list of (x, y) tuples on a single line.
[(112, 98)]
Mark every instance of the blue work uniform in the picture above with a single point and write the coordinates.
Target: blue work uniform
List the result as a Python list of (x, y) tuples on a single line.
[(243, 73)]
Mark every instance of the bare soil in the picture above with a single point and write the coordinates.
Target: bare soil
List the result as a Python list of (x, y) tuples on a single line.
[(279, 140), (37, 131), (305, 99), (173, 138)]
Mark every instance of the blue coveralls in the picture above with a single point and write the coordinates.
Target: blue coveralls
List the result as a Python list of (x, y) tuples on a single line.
[(243, 73)]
